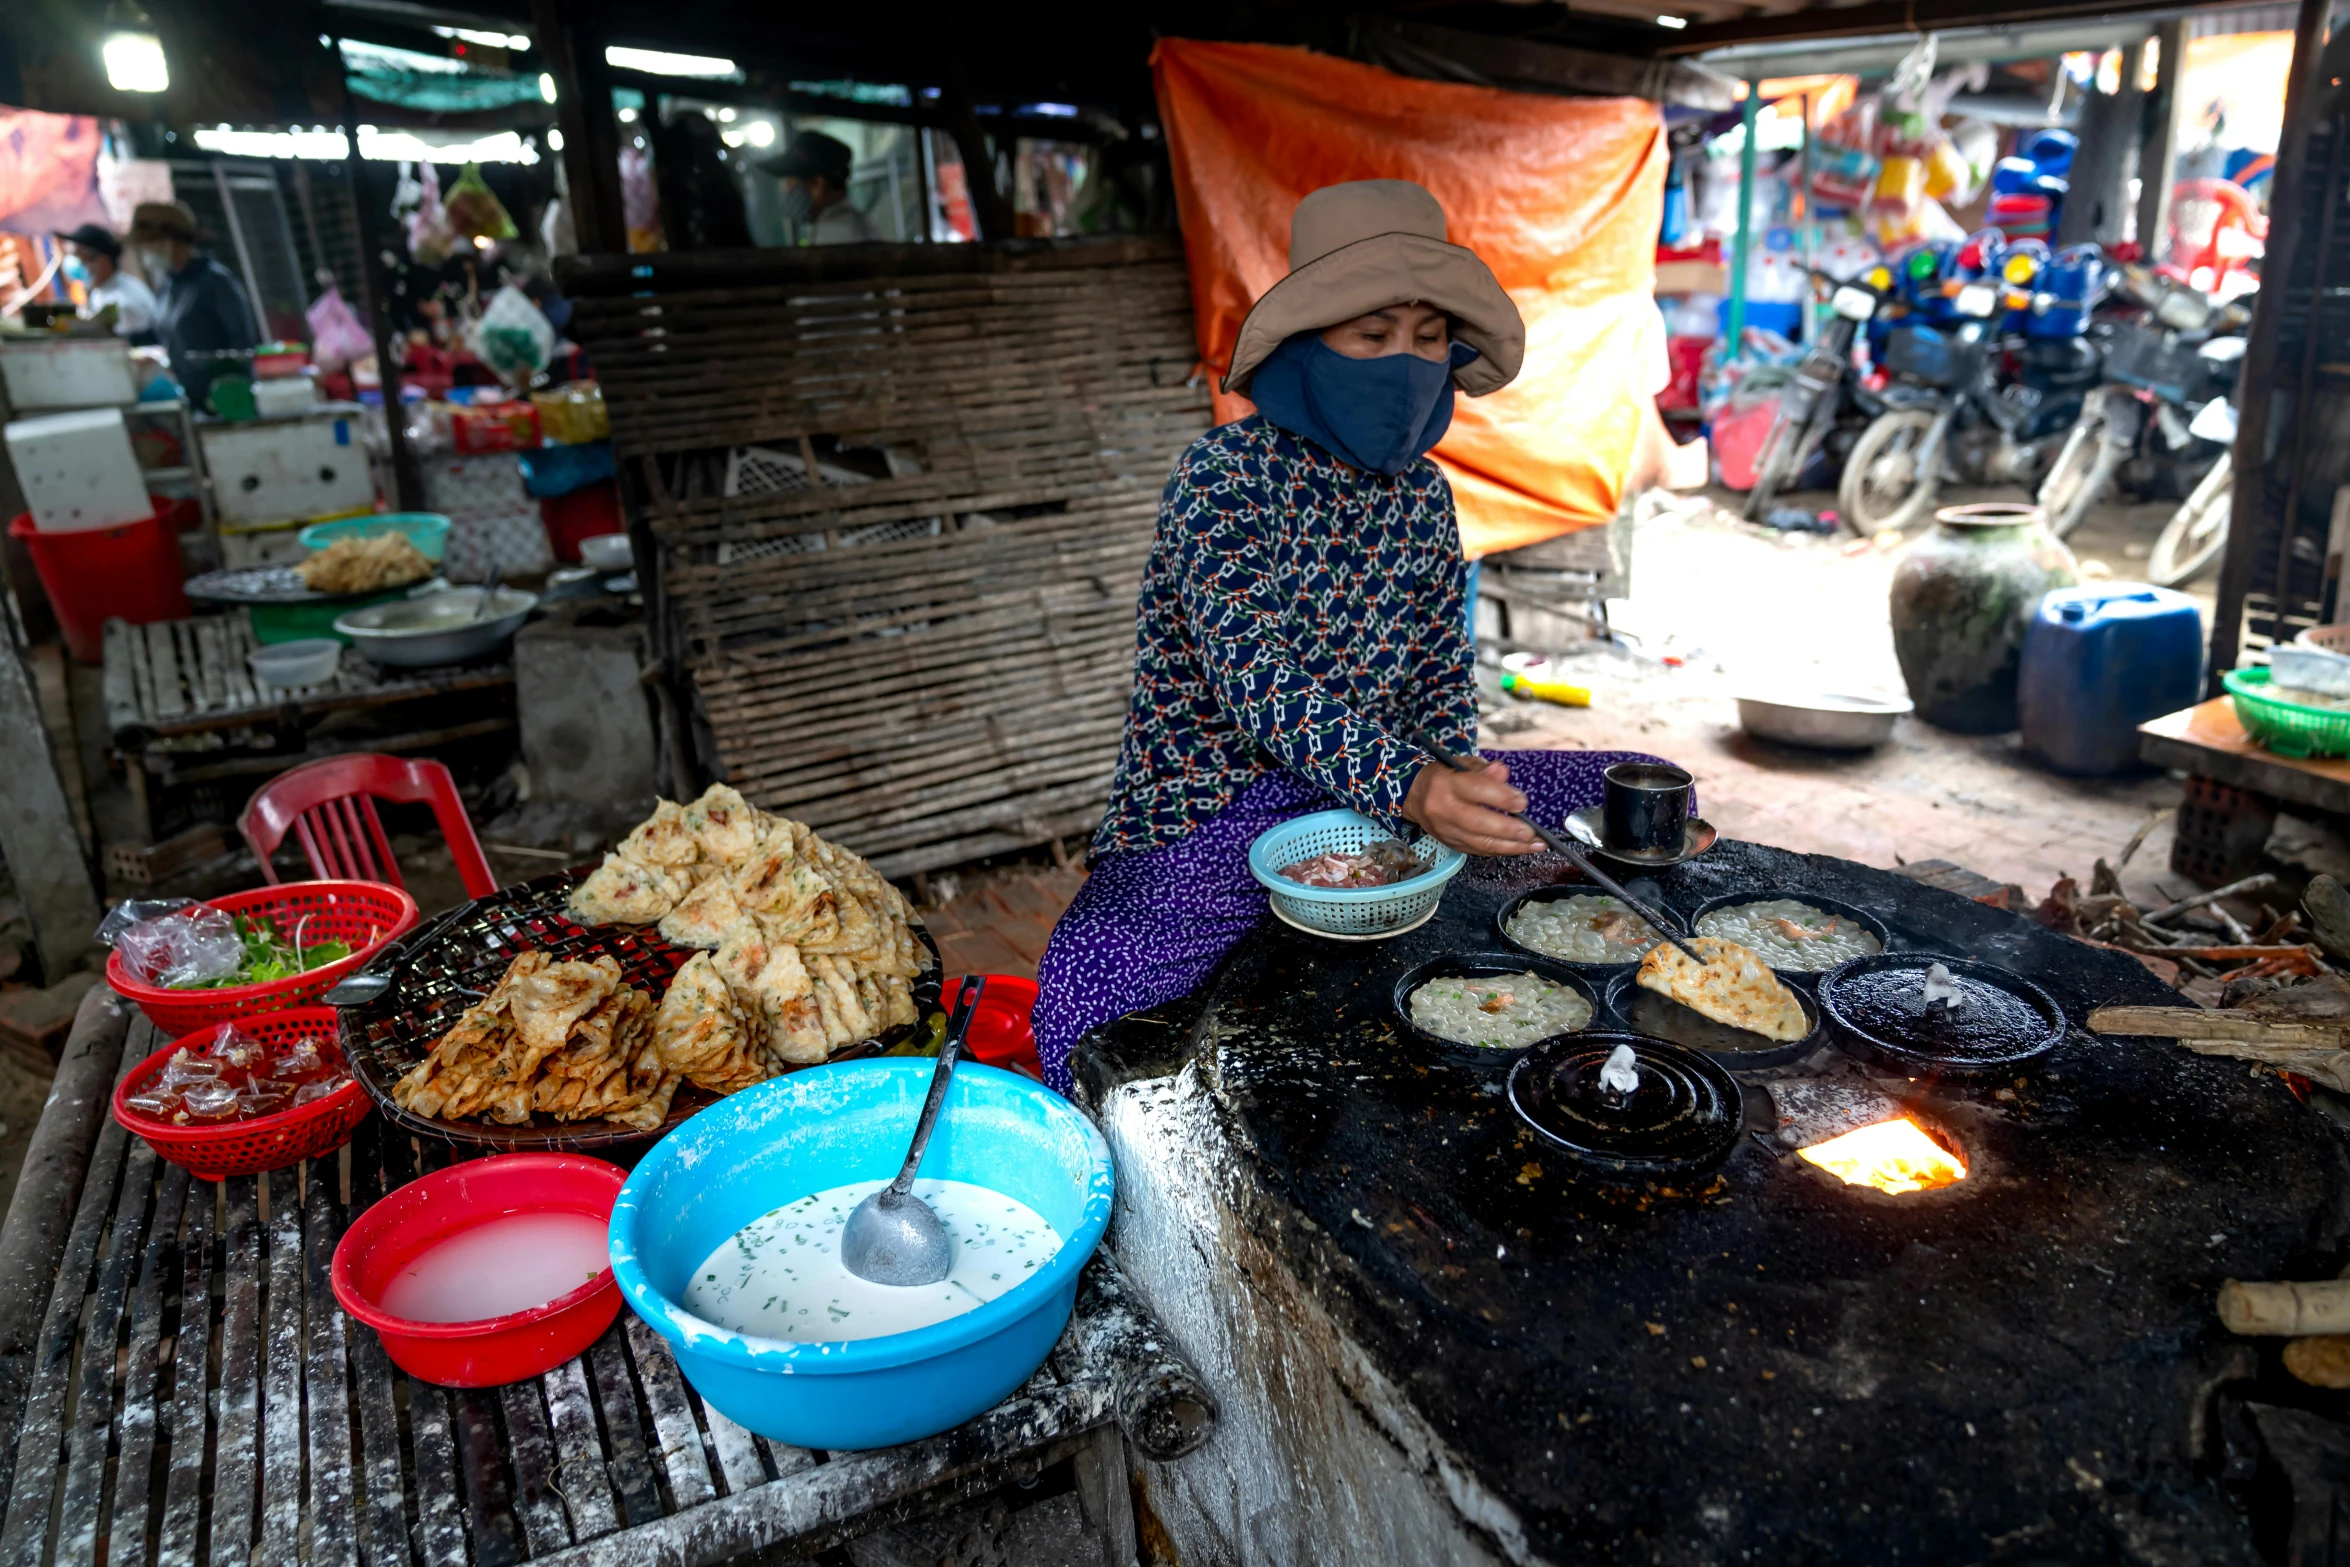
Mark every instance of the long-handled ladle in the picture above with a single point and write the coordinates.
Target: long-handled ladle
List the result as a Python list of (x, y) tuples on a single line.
[(892, 1237), (1569, 849)]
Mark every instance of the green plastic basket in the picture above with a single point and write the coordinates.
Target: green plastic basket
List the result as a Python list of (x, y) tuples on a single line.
[(2287, 728)]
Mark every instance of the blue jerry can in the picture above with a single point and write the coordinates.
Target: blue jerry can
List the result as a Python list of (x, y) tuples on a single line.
[(2099, 660)]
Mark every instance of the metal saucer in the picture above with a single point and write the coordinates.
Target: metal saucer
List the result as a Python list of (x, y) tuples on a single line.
[(1586, 826)]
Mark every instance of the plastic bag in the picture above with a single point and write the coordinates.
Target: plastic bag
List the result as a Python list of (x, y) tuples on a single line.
[(173, 943), (417, 202), (514, 337), (336, 336), (232, 1046), (475, 211)]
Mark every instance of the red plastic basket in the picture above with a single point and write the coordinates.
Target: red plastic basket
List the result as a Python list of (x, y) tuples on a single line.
[(269, 1142), (362, 913)]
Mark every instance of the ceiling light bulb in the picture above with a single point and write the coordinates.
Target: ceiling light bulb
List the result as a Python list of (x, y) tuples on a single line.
[(726, 114), (660, 62), (555, 140), (135, 63), (547, 86), (1676, 23), (627, 116), (761, 133)]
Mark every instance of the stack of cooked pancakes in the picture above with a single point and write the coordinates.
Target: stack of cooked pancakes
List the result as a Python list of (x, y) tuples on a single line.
[(567, 1040), (805, 948)]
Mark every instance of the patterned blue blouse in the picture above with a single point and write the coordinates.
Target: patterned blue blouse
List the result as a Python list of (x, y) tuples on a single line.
[(1296, 614)]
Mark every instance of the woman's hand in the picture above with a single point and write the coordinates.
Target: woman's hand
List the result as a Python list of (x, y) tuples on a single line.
[(1470, 811)]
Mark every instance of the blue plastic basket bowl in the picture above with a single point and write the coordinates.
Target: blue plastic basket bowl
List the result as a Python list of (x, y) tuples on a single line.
[(783, 1139), (1360, 912), (427, 530)]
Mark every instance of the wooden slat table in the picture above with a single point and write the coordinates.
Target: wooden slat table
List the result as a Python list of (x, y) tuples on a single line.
[(183, 708), (196, 1396)]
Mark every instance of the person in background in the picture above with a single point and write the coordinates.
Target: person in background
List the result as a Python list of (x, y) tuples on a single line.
[(93, 258), (815, 174), (203, 309)]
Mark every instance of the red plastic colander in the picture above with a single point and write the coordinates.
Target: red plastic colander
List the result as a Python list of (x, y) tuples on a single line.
[(220, 1149), (363, 914)]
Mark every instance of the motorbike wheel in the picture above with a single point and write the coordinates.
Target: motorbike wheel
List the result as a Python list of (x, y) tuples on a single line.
[(1775, 463), (1884, 485), (2197, 531), (2081, 475)]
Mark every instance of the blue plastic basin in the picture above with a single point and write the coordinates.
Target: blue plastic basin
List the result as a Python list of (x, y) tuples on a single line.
[(790, 1136)]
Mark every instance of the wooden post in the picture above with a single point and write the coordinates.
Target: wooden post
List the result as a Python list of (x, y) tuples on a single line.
[(591, 133), (2262, 349), (2162, 138), (1744, 240), (990, 208), (2101, 170), (37, 836), (375, 303)]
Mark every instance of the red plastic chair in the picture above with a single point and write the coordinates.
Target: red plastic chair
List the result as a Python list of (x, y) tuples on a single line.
[(329, 806)]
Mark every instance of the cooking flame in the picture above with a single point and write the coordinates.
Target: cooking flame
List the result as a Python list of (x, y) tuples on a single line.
[(1892, 1156)]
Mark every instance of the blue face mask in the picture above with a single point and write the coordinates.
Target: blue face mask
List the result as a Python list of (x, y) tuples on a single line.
[(1379, 413), (74, 269)]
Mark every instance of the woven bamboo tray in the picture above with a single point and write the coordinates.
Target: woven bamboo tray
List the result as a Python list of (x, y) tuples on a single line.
[(454, 960)]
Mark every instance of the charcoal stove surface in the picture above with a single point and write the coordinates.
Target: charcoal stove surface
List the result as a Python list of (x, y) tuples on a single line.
[(1763, 1365)]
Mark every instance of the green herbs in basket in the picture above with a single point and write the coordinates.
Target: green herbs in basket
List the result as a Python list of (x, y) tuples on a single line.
[(269, 956), (183, 945)]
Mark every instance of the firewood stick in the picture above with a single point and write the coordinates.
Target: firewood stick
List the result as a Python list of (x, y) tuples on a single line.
[(2194, 1023), (2288, 1310), (2248, 884)]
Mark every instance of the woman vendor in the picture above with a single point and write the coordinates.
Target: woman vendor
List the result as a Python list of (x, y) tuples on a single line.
[(1303, 613)]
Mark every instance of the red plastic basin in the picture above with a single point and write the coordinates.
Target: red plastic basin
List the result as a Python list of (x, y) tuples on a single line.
[(1000, 1033), (424, 1213), (131, 570)]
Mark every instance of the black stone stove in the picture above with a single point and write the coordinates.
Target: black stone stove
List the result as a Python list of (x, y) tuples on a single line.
[(1766, 1364)]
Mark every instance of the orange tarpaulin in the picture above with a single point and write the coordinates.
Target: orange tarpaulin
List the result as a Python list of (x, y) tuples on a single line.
[(1561, 196)]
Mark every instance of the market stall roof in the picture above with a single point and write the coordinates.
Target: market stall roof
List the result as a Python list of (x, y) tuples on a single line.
[(1719, 25)]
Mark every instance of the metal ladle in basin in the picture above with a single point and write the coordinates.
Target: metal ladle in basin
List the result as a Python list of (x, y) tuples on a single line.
[(892, 1237)]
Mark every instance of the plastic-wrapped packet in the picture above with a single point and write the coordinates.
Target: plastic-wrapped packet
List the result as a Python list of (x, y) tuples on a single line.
[(264, 1096), (181, 946), (301, 1058), (211, 1101), (154, 1102), (311, 1093), (184, 1069), (232, 1046)]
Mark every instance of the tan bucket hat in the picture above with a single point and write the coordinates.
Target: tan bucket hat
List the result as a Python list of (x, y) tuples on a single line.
[(1368, 244)]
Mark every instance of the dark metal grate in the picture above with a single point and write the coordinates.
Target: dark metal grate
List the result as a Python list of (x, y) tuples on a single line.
[(455, 960)]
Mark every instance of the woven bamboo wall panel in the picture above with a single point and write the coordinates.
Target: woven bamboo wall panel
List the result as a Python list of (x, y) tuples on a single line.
[(926, 700)]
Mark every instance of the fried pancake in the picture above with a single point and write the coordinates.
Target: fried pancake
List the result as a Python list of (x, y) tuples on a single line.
[(704, 917), (662, 838), (701, 1034), (1732, 987), (622, 891), (724, 825)]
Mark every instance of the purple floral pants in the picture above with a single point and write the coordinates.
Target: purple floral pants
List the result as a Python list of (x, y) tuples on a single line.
[(1147, 928)]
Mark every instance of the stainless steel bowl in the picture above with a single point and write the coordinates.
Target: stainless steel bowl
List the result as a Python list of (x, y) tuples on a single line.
[(1831, 721), (438, 628)]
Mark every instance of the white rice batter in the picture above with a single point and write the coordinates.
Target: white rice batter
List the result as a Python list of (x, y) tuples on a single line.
[(781, 1277)]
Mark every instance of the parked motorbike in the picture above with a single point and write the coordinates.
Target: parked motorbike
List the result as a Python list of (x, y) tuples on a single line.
[(1822, 394), (2162, 425), (1964, 402)]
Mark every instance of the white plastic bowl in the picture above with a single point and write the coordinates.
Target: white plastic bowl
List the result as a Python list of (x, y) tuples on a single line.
[(311, 661), (606, 552)]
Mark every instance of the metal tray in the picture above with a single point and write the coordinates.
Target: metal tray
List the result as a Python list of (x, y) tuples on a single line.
[(454, 960)]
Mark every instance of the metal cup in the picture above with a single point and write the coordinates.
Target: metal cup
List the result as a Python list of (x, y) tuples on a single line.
[(1646, 807)]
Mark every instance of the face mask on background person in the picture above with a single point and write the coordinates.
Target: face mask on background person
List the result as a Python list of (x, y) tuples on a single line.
[(798, 205), (155, 263), (73, 268), (1379, 414)]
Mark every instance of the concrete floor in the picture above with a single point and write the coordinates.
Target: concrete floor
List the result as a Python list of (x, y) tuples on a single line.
[(1743, 608)]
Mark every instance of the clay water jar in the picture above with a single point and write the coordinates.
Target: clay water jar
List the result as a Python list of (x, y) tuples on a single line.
[(1963, 597)]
